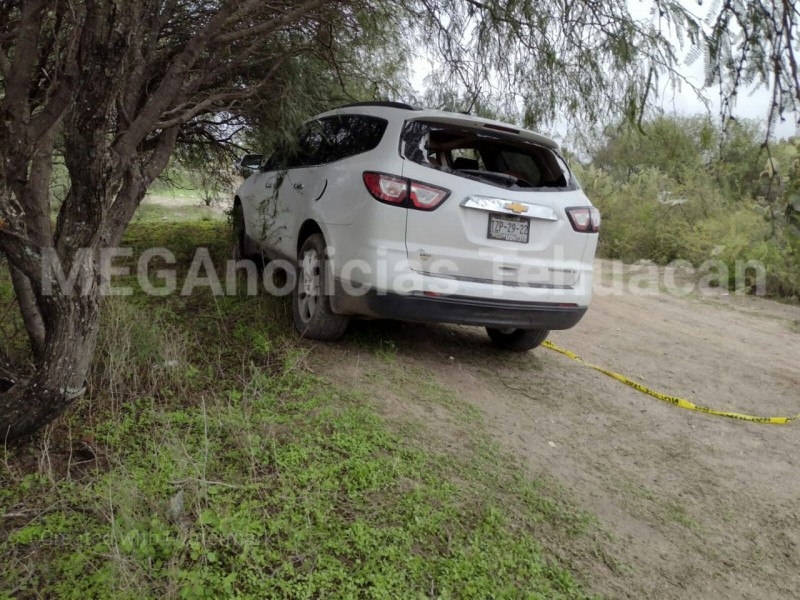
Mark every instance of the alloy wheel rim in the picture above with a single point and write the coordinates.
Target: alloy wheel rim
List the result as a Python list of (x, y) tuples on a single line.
[(309, 285)]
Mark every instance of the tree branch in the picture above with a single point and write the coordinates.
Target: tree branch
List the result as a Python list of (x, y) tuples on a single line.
[(215, 99), (21, 253), (136, 180), (21, 69), (62, 88), (7, 373), (169, 87), (270, 26), (5, 65), (29, 310)]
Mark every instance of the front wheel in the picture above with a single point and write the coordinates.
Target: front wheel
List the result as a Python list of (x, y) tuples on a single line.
[(311, 301), (518, 340), (245, 247)]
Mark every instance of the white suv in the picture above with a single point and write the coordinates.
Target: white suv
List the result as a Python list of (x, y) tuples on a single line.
[(421, 215)]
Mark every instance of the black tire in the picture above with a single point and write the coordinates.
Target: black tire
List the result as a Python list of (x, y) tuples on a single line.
[(245, 247), (311, 301), (518, 340)]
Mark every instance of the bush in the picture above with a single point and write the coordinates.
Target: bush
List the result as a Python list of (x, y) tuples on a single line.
[(649, 216), (694, 202)]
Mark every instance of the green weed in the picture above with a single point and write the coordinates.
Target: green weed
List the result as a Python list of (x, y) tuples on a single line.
[(208, 461)]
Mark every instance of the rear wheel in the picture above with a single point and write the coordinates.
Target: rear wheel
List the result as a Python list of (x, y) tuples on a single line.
[(311, 301), (518, 340)]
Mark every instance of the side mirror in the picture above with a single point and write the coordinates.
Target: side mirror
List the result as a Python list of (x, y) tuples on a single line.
[(250, 162)]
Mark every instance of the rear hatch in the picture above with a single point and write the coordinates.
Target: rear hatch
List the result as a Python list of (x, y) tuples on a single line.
[(505, 219)]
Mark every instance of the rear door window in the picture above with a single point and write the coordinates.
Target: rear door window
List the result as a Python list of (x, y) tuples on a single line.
[(327, 140), (303, 151), (349, 135), (311, 148)]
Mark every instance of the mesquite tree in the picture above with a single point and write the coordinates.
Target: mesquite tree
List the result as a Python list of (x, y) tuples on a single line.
[(118, 83)]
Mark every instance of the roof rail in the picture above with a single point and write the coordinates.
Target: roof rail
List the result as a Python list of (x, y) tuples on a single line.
[(402, 105)]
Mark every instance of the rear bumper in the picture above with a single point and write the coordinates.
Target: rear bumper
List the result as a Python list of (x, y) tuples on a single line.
[(461, 310)]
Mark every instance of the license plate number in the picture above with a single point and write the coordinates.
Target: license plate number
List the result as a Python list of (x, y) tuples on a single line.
[(509, 228)]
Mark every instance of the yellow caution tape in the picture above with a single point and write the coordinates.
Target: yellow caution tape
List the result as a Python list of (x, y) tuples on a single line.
[(672, 399)]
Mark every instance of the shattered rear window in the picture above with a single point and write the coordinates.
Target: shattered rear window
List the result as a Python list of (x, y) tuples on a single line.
[(490, 157)]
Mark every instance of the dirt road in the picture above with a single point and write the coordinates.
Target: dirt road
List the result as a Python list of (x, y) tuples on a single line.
[(695, 506)]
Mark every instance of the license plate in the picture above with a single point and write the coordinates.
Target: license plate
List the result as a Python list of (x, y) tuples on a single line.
[(509, 228)]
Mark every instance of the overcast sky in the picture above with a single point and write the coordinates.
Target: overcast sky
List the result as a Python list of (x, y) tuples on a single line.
[(752, 104)]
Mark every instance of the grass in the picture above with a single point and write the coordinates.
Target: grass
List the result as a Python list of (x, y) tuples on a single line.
[(177, 183), (489, 472), (207, 461), (151, 212)]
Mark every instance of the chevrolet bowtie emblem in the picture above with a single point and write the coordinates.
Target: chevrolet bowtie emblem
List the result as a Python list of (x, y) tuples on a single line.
[(516, 208)]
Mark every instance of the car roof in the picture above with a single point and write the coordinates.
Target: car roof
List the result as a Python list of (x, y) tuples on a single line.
[(410, 113)]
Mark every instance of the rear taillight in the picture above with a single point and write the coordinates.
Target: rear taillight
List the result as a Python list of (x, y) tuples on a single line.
[(585, 219), (426, 197), (401, 191)]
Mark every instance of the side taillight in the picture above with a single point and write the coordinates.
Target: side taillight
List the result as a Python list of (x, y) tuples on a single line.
[(401, 191), (585, 219), (386, 188)]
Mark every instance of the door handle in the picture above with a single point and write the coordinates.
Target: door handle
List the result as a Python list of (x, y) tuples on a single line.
[(298, 187), (268, 185)]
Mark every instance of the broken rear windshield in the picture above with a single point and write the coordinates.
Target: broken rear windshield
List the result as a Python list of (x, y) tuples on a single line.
[(491, 157)]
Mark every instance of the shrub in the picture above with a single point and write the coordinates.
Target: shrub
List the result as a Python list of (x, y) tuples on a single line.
[(671, 194)]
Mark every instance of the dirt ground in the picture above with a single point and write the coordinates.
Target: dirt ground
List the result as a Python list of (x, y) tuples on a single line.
[(695, 506), (189, 206)]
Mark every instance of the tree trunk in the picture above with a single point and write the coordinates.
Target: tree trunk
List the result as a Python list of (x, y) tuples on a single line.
[(70, 316), (32, 403), (71, 320), (118, 80)]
